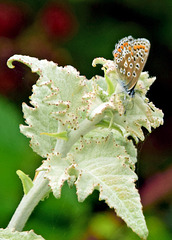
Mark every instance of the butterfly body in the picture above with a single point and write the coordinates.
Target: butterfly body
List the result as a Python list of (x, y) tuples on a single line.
[(130, 56)]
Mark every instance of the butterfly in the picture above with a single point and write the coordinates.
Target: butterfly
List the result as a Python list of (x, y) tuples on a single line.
[(130, 56)]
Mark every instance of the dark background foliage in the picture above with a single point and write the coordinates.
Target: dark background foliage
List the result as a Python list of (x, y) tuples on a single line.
[(75, 32)]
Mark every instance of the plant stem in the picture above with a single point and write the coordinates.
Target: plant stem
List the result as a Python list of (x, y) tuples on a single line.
[(29, 202), (84, 127), (40, 187)]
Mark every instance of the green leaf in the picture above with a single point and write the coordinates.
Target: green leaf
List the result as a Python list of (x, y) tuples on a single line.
[(110, 85), (26, 181), (61, 135), (14, 235)]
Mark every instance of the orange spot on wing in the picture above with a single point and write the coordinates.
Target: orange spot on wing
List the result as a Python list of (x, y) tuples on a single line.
[(115, 55), (125, 44), (122, 47), (135, 47), (119, 50), (139, 46), (129, 48)]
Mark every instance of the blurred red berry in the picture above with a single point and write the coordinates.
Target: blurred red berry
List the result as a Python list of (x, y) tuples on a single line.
[(58, 21), (9, 81), (11, 19)]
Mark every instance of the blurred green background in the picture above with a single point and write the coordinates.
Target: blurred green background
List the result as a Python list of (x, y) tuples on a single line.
[(75, 32)]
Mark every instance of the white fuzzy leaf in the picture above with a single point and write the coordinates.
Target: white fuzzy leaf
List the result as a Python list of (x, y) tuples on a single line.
[(102, 166), (6, 234), (83, 128), (57, 99)]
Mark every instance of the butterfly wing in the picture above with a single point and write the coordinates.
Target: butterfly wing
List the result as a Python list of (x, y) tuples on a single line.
[(141, 47), (130, 56)]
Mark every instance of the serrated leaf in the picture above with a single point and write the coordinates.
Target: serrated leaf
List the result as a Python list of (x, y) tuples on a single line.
[(119, 139), (95, 119), (14, 235), (130, 114), (140, 114), (56, 100), (62, 99), (56, 171), (102, 166)]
